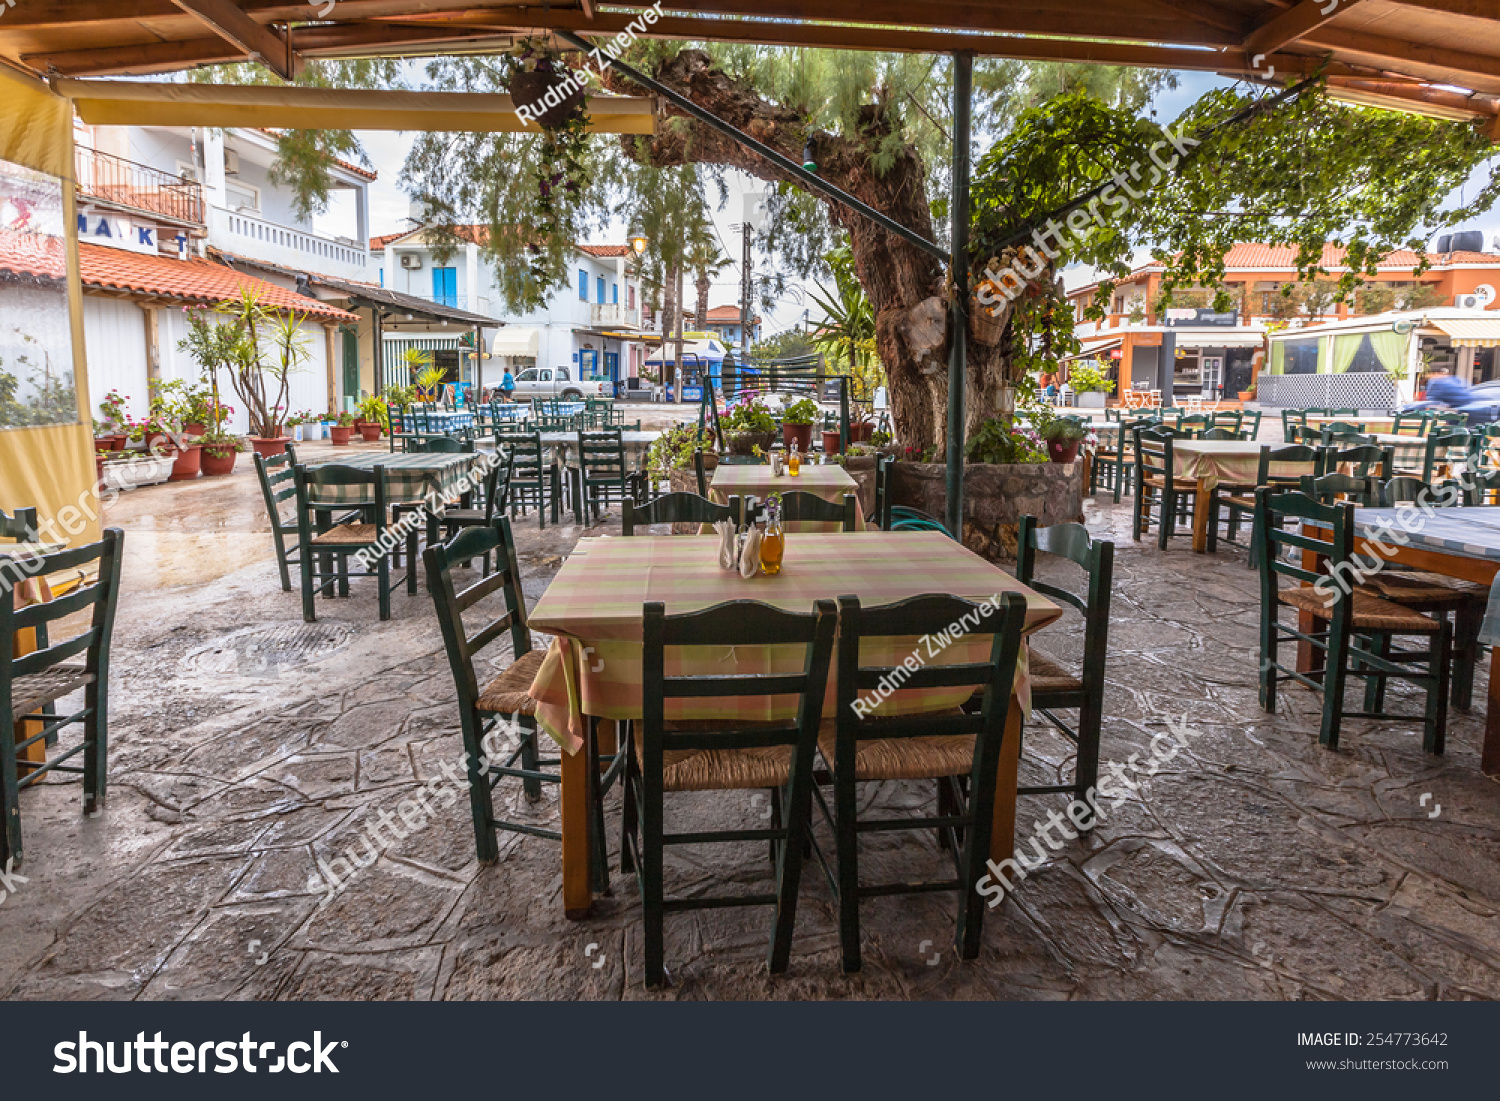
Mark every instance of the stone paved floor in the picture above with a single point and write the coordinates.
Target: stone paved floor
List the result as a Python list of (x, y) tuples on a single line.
[(1253, 865)]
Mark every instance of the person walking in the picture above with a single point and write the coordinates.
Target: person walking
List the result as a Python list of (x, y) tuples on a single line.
[(508, 386)]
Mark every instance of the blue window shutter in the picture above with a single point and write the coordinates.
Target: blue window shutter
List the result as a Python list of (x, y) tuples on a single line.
[(583, 285), (599, 290), (614, 294)]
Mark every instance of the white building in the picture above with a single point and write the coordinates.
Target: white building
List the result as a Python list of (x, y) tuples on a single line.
[(590, 326)]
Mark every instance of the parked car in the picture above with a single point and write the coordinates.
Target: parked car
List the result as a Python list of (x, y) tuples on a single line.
[(559, 382)]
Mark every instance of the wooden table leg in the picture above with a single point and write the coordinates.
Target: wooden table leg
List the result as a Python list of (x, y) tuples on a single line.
[(1003, 829), (578, 891), (1309, 657), (1489, 758), (1200, 517)]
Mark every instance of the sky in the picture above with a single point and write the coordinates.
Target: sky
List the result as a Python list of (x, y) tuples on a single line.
[(390, 207)]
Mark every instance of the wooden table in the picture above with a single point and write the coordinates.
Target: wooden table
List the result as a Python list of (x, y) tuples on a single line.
[(1454, 542), (409, 476), (593, 667), (1371, 424), (1209, 462), (830, 482)]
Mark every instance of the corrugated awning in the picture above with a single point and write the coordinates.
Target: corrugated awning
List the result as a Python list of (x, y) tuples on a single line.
[(1470, 332), (1228, 338), (512, 341), (423, 343)]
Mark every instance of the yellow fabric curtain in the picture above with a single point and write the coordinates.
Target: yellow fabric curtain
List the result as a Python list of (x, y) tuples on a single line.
[(1278, 357), (1390, 350), (48, 466), (1345, 348)]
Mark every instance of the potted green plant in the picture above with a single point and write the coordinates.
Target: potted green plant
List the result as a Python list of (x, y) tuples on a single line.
[(219, 451), (1090, 384), (430, 381), (796, 424), (110, 434), (373, 418), (341, 429), (748, 424)]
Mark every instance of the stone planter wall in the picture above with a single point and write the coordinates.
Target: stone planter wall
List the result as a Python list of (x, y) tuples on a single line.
[(995, 499)]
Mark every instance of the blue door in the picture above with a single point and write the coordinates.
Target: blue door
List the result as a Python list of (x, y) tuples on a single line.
[(588, 363), (445, 286), (612, 366)]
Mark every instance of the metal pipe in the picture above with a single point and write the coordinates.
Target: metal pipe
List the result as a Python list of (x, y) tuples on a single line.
[(790, 167), (958, 306)]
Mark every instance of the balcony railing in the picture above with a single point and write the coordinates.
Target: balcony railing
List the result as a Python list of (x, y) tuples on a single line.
[(124, 183), (252, 236), (604, 313)]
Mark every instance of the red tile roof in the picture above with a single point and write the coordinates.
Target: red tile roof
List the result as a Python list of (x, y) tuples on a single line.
[(727, 313), (1249, 256), (605, 251), (190, 281)]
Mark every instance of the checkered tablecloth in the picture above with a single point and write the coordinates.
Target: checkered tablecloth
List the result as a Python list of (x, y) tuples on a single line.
[(408, 477), (829, 482), (434, 422), (1234, 461), (593, 607)]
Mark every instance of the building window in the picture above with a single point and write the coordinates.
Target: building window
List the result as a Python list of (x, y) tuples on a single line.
[(445, 286), (599, 292), (583, 285), (630, 297), (614, 294)]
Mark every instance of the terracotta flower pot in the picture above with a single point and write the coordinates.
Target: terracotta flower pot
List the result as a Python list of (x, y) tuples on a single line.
[(832, 444), (194, 429), (1063, 451), (98, 467), (267, 447), (861, 431), (218, 461), (340, 434), (530, 90), (371, 432), (802, 433), (188, 463)]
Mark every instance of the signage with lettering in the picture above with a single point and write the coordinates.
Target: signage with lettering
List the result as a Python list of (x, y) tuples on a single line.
[(116, 231), (1184, 317)]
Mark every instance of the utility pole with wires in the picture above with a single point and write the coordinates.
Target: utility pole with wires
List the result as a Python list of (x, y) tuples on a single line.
[(755, 207)]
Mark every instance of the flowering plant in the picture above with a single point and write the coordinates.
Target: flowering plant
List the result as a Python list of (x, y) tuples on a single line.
[(113, 408), (1002, 440), (747, 413)]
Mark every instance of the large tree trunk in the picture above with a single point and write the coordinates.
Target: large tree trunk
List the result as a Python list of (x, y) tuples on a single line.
[(705, 284), (905, 284)]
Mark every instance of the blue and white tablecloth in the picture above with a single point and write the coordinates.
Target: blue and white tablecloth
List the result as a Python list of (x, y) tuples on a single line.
[(1470, 532)]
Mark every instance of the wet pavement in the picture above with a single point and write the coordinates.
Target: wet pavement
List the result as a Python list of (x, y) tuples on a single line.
[(1254, 864)]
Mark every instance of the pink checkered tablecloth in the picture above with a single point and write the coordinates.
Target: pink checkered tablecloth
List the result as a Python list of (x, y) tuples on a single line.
[(829, 482), (593, 608)]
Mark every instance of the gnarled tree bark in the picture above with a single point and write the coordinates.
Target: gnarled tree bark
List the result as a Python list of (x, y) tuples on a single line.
[(905, 284)]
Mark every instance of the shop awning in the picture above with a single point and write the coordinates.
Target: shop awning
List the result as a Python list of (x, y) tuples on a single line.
[(512, 341), (1224, 338), (1091, 351), (423, 343), (1470, 332)]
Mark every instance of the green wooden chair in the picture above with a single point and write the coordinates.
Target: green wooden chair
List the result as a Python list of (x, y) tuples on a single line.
[(1054, 687), (1221, 434), (959, 750), (532, 481), (1250, 419), (676, 508), (601, 474), (53, 671), (1441, 421), (1411, 424), (1157, 485), (1232, 419), (1292, 418), (482, 705), (1362, 490), (724, 755), (1305, 436), (278, 484), (1344, 434), (881, 517), (493, 501), (1339, 413), (20, 526), (1116, 470), (1192, 425), (1437, 450), (1239, 501), (1352, 631), (800, 505), (325, 549), (1368, 460)]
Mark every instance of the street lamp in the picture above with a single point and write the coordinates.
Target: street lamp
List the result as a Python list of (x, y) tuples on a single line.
[(638, 242)]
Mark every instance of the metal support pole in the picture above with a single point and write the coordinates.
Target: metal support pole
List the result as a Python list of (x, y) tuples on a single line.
[(745, 294), (958, 308), (379, 378)]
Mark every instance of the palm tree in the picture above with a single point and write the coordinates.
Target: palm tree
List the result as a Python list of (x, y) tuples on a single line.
[(705, 261), (847, 330)]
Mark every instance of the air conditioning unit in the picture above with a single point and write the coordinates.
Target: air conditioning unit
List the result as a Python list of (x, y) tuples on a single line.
[(1468, 302), (231, 163), (411, 261)]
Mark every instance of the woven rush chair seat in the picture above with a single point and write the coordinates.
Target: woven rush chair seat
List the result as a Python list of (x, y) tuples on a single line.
[(348, 535), (720, 769), (1049, 675), (1371, 613), (902, 758), (38, 689), (1186, 484), (510, 692)]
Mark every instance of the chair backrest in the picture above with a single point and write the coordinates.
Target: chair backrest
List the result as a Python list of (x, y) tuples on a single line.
[(526, 447), (497, 485), (883, 503), (677, 508), (701, 471), (1221, 434), (101, 595), (1096, 557), (1302, 434), (1328, 488), (1479, 488), (1439, 443), (1232, 419), (450, 604), (1280, 546), (1451, 420), (336, 474), (1291, 418), (1411, 424), (862, 686), (735, 623), (1194, 424), (1292, 453), (601, 454), (1346, 433), (1405, 489), (1369, 460), (1341, 413), (1251, 418), (1153, 453), (444, 445), (20, 525), (277, 483), (798, 504)]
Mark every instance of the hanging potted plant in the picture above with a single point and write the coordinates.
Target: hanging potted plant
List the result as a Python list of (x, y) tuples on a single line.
[(541, 82), (341, 429), (219, 451), (796, 424)]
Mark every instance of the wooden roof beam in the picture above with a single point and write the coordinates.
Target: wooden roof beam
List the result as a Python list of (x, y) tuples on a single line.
[(1481, 72), (229, 22), (1293, 24)]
